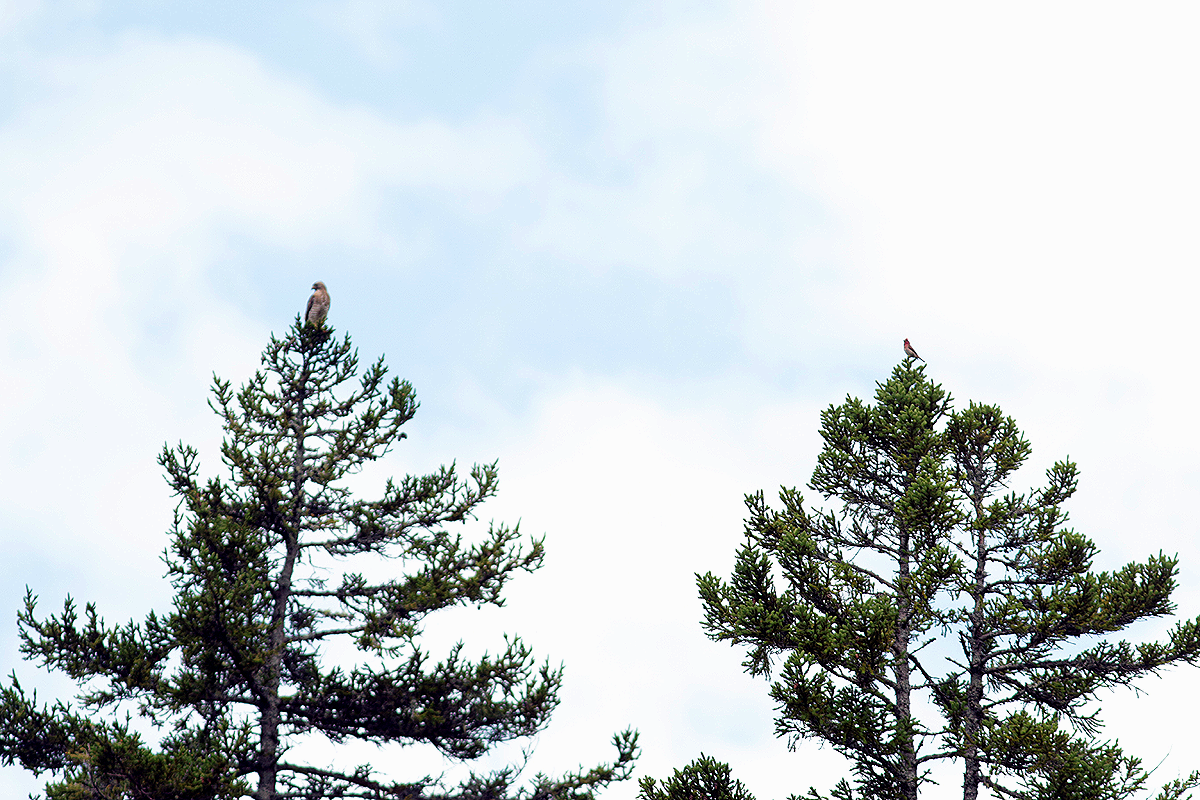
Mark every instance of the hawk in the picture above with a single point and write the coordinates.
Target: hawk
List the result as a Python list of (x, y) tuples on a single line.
[(908, 348), (318, 305)]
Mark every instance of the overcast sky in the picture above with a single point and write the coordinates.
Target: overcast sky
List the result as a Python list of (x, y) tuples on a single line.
[(629, 249)]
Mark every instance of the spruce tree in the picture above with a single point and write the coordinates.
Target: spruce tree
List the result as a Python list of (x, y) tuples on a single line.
[(926, 549), (703, 779), (261, 562), (861, 583), (1033, 629)]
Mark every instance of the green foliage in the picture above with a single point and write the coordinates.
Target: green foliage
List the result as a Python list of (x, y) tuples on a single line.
[(703, 779), (1030, 601), (98, 759), (853, 610), (236, 673), (846, 626)]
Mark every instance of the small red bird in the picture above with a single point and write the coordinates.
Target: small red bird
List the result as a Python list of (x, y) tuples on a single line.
[(908, 351)]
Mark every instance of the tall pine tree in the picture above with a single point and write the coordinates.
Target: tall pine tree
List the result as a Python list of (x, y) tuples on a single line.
[(236, 673)]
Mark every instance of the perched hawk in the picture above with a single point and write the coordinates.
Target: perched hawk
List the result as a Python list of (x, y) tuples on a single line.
[(318, 305)]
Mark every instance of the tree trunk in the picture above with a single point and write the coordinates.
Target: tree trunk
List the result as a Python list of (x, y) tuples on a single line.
[(908, 752), (268, 753), (973, 724)]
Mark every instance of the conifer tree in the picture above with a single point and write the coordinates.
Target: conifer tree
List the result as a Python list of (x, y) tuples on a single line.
[(1031, 624), (261, 563), (861, 584), (926, 548), (703, 779)]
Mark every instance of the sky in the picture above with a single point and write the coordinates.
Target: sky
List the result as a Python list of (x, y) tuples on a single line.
[(630, 250)]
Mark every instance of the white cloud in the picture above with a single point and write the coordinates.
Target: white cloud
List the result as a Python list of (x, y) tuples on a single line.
[(1023, 175), (373, 25), (668, 179), (16, 13), (165, 138)]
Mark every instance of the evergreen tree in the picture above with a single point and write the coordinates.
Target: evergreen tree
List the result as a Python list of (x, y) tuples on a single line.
[(703, 779), (921, 551), (1033, 661), (235, 673), (861, 584)]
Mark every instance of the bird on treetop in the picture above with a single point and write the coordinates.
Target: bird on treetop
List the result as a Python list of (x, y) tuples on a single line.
[(908, 350), (318, 305)]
